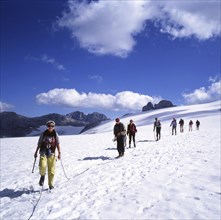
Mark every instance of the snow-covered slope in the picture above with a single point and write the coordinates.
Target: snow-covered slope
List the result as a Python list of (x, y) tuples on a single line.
[(165, 115), (177, 177)]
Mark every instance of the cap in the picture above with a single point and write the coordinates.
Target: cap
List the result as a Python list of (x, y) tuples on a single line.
[(50, 123), (117, 119)]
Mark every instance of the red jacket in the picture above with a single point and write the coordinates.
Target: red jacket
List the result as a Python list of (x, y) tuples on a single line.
[(131, 128)]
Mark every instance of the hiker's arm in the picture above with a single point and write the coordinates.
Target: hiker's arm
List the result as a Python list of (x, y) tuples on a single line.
[(39, 145), (59, 151), (36, 152)]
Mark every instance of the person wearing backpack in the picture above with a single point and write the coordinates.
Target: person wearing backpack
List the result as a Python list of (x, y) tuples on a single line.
[(47, 144), (190, 125), (197, 124), (120, 136), (181, 123), (174, 125), (131, 131), (157, 126)]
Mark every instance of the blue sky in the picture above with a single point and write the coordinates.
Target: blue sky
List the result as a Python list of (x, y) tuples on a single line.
[(111, 57)]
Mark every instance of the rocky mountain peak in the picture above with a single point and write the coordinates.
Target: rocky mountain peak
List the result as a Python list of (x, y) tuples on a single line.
[(161, 104)]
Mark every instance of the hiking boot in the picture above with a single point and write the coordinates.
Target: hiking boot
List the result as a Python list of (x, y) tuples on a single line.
[(41, 181), (51, 187)]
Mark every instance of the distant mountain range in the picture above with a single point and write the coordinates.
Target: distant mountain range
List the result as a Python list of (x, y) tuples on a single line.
[(14, 125)]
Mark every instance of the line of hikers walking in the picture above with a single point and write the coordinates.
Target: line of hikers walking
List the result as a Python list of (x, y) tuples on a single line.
[(181, 123), (120, 132), (49, 141)]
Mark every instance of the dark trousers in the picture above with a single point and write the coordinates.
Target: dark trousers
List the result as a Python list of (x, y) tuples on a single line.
[(120, 144), (173, 129), (131, 136), (158, 129)]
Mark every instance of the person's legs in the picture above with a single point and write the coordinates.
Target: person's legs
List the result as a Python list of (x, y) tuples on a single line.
[(121, 145), (51, 170), (130, 139), (134, 140), (42, 169), (157, 134), (42, 165), (118, 146)]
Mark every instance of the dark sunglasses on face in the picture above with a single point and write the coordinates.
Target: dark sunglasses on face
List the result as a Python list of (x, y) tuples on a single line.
[(50, 126)]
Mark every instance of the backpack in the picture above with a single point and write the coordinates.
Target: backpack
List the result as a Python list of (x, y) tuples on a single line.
[(49, 143), (132, 128)]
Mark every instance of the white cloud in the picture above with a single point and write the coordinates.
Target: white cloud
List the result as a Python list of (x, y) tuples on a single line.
[(106, 27), (97, 78), (131, 100), (48, 60), (111, 27), (5, 107), (191, 18), (125, 100), (53, 62), (203, 95), (214, 79)]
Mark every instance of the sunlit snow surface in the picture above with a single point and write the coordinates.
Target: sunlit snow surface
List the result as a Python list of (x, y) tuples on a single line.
[(177, 177)]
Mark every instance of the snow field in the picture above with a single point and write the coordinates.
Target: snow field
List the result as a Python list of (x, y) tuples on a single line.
[(177, 177)]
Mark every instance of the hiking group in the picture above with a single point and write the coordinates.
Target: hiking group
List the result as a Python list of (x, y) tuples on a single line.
[(120, 132), (48, 142), (181, 123)]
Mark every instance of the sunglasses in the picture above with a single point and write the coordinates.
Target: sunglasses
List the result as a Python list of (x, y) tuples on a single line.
[(50, 126)]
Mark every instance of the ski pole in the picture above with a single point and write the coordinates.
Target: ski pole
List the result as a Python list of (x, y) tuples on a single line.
[(34, 165)]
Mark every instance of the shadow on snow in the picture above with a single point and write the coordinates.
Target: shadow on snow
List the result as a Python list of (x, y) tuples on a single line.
[(96, 158), (11, 193), (146, 141), (111, 148)]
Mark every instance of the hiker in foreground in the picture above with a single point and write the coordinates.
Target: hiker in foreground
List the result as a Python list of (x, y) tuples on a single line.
[(120, 135), (157, 126), (131, 131), (47, 144)]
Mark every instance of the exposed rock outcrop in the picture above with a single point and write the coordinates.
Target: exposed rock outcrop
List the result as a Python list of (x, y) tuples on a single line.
[(161, 104)]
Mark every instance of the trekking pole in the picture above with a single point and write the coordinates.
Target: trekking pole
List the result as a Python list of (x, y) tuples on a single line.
[(34, 165)]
